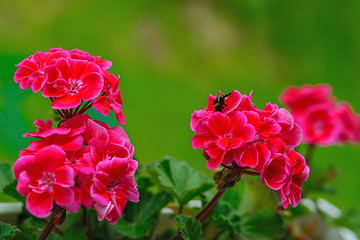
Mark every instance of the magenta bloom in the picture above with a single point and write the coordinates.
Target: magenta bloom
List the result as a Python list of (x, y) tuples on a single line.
[(77, 80), (114, 186), (299, 173), (34, 71), (286, 172), (110, 98), (323, 122), (43, 177), (71, 163), (321, 125), (223, 134), (260, 139)]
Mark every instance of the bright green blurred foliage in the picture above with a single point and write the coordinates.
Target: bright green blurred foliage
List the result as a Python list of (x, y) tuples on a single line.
[(172, 54)]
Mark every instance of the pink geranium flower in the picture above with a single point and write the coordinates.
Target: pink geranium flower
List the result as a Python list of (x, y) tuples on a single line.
[(223, 134), (286, 172), (78, 80), (114, 186), (321, 125), (110, 98), (350, 123), (298, 173), (34, 71), (300, 99), (43, 177), (323, 122)]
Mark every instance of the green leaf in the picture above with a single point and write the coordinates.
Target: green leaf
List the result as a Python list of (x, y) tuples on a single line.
[(10, 190), (225, 217), (253, 210), (190, 227), (6, 174), (139, 218), (33, 227), (75, 232), (7, 231), (184, 180), (133, 230)]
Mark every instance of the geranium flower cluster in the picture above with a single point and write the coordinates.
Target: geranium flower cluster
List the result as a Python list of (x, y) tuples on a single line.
[(81, 162), (70, 78), (323, 120), (232, 130)]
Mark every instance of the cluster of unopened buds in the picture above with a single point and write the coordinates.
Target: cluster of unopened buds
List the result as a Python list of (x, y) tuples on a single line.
[(81, 161), (244, 139), (323, 121)]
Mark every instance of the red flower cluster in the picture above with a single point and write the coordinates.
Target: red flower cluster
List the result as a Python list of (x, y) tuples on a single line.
[(323, 121), (81, 162), (231, 129), (71, 77)]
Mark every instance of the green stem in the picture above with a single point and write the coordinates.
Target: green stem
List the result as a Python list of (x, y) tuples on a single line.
[(310, 153)]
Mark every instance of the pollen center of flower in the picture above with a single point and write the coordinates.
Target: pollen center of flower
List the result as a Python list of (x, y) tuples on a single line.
[(76, 86), (318, 126), (229, 135), (114, 186), (46, 181)]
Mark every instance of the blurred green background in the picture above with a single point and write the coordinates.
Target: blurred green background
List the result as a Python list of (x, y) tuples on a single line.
[(172, 54)]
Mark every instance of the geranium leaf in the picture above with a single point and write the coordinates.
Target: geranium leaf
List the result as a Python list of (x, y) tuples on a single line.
[(139, 218), (7, 231), (10, 190), (190, 227), (75, 232), (184, 180), (6, 174)]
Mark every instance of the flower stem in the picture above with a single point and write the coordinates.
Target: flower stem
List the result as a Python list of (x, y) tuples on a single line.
[(85, 107), (209, 207), (310, 153), (57, 214)]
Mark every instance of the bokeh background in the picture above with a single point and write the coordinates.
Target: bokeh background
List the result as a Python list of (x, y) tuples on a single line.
[(172, 54)]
